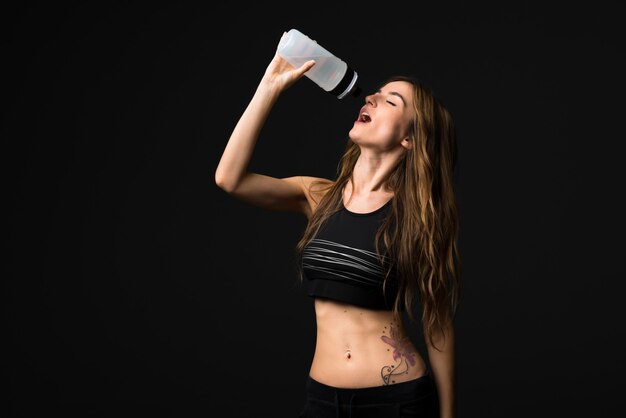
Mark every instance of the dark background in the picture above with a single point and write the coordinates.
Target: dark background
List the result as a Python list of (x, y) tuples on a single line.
[(133, 286)]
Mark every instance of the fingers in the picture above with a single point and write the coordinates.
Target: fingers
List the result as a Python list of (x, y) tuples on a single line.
[(280, 41), (305, 67)]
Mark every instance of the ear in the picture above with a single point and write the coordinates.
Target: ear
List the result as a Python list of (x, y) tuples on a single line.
[(406, 142)]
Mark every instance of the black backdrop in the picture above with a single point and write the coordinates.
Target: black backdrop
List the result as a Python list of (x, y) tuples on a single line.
[(133, 286)]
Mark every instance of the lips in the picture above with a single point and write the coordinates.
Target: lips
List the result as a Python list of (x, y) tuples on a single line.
[(364, 115)]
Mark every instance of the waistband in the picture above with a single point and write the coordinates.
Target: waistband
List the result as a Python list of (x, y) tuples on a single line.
[(396, 392)]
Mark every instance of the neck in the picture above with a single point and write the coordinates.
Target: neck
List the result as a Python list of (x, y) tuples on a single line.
[(371, 172)]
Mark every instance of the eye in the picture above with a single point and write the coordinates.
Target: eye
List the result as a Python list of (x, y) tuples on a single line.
[(391, 103)]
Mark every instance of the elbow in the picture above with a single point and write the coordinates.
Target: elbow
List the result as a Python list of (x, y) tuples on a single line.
[(224, 183)]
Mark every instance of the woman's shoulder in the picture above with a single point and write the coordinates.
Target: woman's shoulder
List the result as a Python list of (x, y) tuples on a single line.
[(315, 188), (317, 183)]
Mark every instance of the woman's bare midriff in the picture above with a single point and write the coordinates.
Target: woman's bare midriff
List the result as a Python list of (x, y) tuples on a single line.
[(359, 347)]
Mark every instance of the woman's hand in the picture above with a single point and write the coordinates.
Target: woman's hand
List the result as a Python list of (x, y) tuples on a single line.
[(281, 75)]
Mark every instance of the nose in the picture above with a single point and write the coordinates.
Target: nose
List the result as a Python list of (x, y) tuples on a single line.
[(371, 100)]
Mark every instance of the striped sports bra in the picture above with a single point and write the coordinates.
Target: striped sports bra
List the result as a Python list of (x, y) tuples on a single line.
[(340, 262)]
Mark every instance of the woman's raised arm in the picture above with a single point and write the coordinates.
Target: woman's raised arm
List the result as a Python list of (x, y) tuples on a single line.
[(231, 174)]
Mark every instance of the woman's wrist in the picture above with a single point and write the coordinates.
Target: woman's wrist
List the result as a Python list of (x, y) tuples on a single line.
[(268, 91)]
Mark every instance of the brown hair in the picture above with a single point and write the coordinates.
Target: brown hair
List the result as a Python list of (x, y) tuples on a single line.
[(421, 231)]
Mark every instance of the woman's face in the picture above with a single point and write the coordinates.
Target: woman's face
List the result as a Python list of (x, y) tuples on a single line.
[(383, 122)]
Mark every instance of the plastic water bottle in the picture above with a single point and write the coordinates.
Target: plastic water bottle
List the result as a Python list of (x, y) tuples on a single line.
[(329, 72)]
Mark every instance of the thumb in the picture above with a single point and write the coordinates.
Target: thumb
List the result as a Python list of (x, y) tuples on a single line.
[(306, 67)]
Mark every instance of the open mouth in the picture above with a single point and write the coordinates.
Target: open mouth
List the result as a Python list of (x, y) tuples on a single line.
[(364, 117)]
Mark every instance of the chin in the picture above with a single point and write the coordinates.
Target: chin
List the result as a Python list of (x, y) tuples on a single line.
[(352, 137)]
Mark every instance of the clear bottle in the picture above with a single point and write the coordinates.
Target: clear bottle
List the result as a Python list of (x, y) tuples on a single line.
[(329, 72)]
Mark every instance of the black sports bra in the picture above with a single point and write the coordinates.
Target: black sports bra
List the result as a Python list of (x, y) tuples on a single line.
[(340, 261)]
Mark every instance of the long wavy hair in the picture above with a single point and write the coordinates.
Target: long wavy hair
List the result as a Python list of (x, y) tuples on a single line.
[(421, 231)]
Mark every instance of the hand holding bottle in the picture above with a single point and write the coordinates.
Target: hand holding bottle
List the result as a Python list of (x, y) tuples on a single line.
[(280, 74), (330, 73)]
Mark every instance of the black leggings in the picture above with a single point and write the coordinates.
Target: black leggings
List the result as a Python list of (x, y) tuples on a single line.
[(413, 398)]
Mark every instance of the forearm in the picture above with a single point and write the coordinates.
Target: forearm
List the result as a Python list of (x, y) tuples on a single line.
[(443, 367), (238, 151)]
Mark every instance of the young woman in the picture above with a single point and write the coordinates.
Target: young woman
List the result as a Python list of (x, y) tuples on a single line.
[(380, 236)]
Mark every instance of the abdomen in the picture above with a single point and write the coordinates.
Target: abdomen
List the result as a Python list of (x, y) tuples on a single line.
[(357, 347)]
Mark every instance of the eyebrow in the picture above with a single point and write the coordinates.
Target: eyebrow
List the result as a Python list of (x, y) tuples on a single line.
[(395, 93)]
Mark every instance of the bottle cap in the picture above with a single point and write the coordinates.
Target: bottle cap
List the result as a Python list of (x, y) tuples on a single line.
[(346, 85)]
